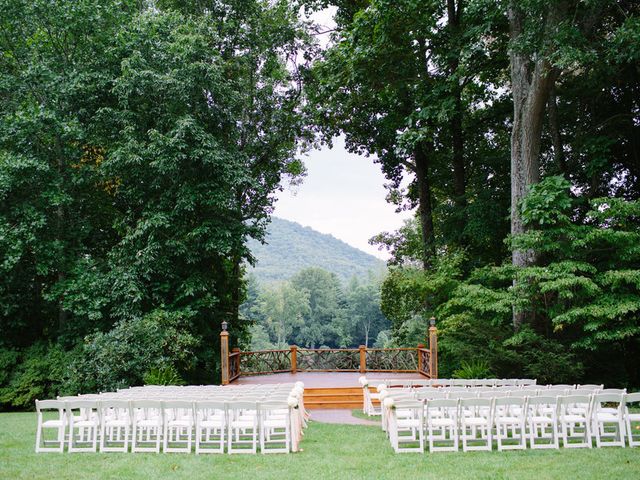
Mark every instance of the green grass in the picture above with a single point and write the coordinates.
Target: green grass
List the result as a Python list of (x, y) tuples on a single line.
[(330, 452), (358, 413)]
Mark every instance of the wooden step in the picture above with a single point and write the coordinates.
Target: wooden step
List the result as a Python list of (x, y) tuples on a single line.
[(338, 397), (313, 391)]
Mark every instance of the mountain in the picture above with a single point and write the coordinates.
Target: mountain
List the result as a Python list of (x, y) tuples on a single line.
[(291, 247)]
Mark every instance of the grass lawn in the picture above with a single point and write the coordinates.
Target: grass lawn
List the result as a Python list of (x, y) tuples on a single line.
[(333, 452)]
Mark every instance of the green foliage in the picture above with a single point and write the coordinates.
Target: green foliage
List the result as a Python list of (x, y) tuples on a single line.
[(583, 294), (140, 148), (39, 372), (314, 310), (167, 375), (411, 295), (121, 357), (475, 369)]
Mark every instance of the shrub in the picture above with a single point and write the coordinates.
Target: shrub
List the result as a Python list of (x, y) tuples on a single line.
[(474, 369), (163, 376), (38, 372), (133, 348)]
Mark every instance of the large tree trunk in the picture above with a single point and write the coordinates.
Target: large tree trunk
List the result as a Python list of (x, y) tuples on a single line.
[(459, 182), (532, 78), (424, 198)]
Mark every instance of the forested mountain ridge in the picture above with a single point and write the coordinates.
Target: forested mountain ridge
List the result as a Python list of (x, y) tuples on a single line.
[(291, 247)]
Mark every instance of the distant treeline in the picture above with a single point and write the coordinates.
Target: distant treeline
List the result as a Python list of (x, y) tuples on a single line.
[(314, 309)]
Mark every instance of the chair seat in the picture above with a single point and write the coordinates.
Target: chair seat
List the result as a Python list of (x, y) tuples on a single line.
[(85, 423), (243, 423), (212, 423), (275, 423), (53, 423), (607, 410), (116, 422), (508, 419), (476, 421), (573, 418), (541, 419), (607, 417), (443, 422), (409, 423), (148, 423), (180, 423)]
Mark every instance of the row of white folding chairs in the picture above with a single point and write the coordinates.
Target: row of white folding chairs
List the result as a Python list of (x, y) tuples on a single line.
[(451, 382), (512, 422), (426, 394), (370, 408), (430, 393), (211, 425)]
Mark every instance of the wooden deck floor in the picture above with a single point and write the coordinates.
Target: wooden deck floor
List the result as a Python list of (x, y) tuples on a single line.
[(322, 379)]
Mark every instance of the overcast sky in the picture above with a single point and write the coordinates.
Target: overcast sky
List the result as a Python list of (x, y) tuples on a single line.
[(344, 195)]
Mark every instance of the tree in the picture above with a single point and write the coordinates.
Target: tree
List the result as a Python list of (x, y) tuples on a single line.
[(363, 311), (140, 148), (284, 309), (546, 39), (325, 324)]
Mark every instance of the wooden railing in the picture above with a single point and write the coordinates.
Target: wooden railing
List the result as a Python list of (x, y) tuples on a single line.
[(421, 360), (265, 361)]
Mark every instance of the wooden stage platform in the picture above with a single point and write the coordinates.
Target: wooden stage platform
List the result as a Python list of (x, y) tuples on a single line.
[(327, 390)]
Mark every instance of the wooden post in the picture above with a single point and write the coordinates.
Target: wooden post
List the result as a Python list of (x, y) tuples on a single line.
[(294, 359), (433, 347), (420, 367), (363, 358), (224, 355)]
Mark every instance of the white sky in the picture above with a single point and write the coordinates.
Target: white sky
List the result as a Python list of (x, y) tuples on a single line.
[(344, 195)]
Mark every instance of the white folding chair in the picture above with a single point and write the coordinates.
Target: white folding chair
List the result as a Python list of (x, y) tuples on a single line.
[(211, 425), (44, 407), (542, 422), (275, 427), (146, 418), (574, 417), (476, 420), (178, 426), (441, 416), (509, 419), (242, 426), (407, 432), (632, 418), (115, 423), (87, 423), (608, 427)]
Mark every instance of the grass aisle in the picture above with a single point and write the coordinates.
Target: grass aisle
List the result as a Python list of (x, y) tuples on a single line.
[(334, 452)]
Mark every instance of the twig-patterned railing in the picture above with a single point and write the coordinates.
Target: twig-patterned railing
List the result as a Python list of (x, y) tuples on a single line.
[(402, 360), (265, 361), (424, 362), (234, 365), (399, 360), (328, 360)]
